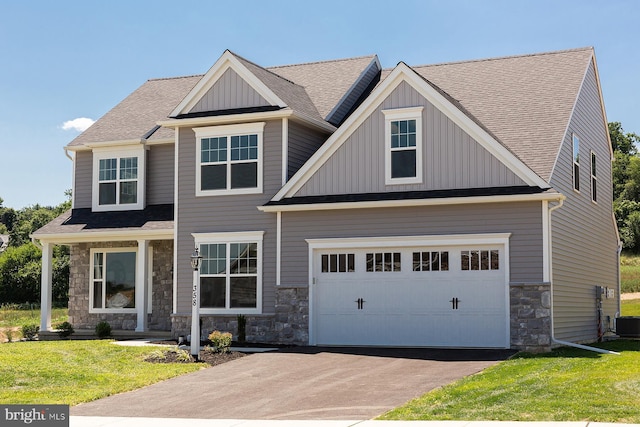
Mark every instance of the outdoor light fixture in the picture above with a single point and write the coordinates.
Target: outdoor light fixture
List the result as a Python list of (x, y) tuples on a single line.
[(196, 258)]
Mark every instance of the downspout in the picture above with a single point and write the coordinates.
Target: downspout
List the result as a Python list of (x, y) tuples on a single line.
[(553, 338)]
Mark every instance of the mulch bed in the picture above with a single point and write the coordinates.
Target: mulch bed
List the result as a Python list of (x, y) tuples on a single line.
[(213, 359)]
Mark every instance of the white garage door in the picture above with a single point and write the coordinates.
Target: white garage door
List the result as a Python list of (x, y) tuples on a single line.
[(432, 296)]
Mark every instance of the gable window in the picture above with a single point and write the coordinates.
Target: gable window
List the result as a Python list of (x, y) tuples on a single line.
[(576, 162), (118, 179), (403, 145), (231, 272), (113, 280), (229, 159), (594, 180)]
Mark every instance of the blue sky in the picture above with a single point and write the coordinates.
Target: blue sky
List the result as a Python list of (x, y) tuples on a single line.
[(63, 60)]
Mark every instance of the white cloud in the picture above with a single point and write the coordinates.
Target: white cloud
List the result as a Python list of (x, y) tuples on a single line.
[(80, 124)]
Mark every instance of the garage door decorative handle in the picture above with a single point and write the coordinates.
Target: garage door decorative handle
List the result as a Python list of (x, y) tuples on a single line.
[(454, 303), (360, 302)]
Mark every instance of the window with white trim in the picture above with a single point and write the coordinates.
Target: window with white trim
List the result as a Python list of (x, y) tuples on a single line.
[(480, 260), (383, 261), (576, 162), (594, 179), (338, 263), (231, 272), (229, 159), (113, 280), (403, 145), (118, 178), (431, 261)]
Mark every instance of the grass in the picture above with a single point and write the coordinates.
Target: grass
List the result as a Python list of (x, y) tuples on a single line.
[(631, 307), (565, 385), (13, 318), (72, 372), (629, 273)]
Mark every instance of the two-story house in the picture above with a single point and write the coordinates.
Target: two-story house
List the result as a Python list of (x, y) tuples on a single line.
[(466, 204)]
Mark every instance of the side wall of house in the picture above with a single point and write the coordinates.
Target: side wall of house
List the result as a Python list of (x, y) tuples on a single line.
[(159, 176), (584, 242), (303, 142), (451, 158), (80, 281), (228, 213), (522, 219)]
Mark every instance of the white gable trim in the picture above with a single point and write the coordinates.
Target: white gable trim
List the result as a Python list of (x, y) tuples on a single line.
[(404, 73), (226, 61)]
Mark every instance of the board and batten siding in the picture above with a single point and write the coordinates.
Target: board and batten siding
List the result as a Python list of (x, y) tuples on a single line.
[(302, 143), (584, 242), (451, 158), (82, 186), (160, 174), (348, 102), (230, 91), (522, 219), (228, 213)]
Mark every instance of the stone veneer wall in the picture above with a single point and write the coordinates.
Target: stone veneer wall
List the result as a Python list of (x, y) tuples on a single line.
[(289, 325), (80, 279), (530, 317)]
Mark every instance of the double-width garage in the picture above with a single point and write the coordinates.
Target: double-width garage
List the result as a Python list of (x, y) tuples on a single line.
[(424, 291)]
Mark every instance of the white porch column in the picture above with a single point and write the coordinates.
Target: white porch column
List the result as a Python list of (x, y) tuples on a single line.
[(46, 286), (142, 289)]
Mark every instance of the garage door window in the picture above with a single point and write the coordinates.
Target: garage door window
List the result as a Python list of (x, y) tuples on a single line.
[(480, 260), (338, 263), (383, 261), (431, 261)]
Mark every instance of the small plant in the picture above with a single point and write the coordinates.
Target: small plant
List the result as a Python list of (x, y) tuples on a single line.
[(64, 329), (220, 341), (103, 329), (9, 334), (30, 331), (183, 356), (242, 328)]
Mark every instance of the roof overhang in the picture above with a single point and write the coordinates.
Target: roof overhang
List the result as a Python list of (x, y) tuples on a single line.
[(548, 196), (103, 236)]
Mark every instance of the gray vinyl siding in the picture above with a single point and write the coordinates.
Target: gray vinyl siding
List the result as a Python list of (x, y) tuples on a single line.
[(302, 143), (230, 91), (83, 179), (584, 242), (451, 158), (233, 213), (346, 105), (522, 219), (160, 171)]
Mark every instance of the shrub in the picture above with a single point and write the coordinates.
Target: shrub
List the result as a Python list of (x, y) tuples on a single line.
[(30, 331), (103, 329), (64, 329), (220, 341)]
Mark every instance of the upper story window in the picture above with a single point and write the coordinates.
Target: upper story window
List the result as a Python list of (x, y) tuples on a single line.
[(118, 178), (403, 145), (594, 179), (576, 162), (229, 159)]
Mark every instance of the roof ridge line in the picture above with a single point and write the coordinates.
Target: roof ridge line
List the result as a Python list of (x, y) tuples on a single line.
[(264, 68), (497, 58), (175, 77), (321, 62)]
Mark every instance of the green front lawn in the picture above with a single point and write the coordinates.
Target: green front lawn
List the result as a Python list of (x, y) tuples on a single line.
[(629, 273), (565, 385), (631, 307), (72, 372)]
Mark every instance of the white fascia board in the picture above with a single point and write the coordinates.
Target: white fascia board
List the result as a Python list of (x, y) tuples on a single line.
[(104, 144), (401, 73), (226, 61), (413, 202), (161, 141), (104, 236), (246, 117), (408, 241), (601, 99)]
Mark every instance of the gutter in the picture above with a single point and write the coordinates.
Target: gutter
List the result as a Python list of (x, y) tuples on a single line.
[(553, 338)]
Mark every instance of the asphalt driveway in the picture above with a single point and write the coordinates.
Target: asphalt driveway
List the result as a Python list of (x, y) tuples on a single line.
[(300, 383)]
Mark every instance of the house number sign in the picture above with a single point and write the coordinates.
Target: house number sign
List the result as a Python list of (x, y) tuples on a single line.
[(194, 295)]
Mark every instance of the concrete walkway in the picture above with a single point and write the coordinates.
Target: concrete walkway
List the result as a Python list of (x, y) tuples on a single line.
[(190, 422)]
